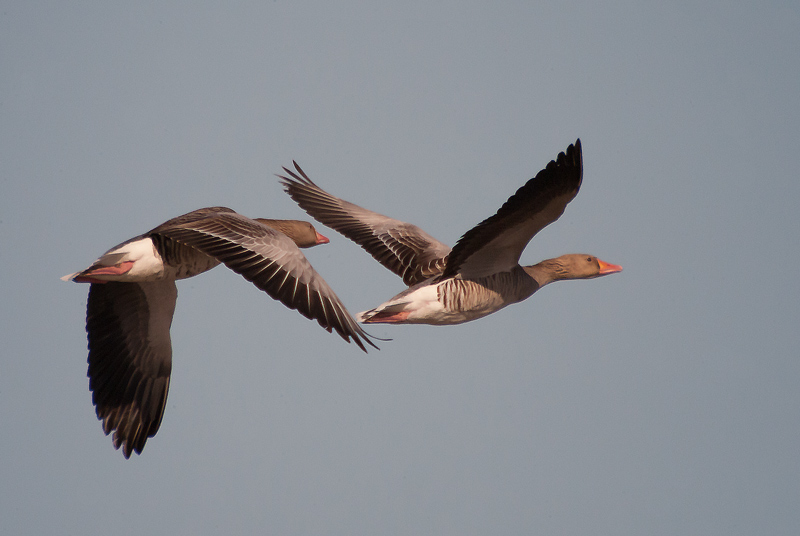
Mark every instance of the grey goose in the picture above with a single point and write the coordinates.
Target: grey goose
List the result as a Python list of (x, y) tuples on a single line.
[(132, 299), (481, 274)]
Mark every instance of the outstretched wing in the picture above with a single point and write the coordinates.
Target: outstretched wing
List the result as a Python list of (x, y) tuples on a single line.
[(495, 244), (403, 248), (272, 262)]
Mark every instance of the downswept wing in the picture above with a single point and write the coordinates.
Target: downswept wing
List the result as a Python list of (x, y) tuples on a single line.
[(273, 263), (495, 244), (130, 357), (403, 248)]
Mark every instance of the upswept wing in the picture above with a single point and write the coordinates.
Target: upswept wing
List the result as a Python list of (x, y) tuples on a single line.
[(495, 244), (403, 248)]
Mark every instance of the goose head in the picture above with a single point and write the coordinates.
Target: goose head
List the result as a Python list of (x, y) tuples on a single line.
[(301, 232)]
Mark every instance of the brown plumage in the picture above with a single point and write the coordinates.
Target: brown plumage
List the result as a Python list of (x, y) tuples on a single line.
[(481, 274), (133, 294)]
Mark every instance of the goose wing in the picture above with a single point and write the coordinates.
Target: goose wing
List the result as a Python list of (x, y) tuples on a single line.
[(403, 248), (495, 244), (130, 357), (272, 262)]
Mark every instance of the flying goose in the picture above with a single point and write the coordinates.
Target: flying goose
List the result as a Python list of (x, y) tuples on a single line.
[(481, 274), (132, 299)]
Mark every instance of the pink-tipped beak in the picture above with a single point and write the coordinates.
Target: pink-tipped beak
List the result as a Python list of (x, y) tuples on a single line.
[(606, 268), (322, 240)]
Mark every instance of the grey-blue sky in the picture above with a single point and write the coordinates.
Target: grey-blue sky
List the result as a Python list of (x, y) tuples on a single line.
[(663, 400)]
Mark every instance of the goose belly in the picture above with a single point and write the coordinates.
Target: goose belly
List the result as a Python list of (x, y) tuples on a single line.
[(475, 298), (465, 300), (454, 301)]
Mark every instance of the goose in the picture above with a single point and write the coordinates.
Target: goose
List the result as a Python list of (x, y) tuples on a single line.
[(481, 274), (132, 297)]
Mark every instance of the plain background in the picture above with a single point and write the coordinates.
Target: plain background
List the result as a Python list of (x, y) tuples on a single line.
[(663, 400)]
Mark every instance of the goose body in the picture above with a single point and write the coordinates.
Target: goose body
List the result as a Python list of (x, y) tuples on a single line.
[(132, 299), (481, 274), (452, 300)]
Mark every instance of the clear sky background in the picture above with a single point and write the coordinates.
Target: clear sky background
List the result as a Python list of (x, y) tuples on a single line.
[(664, 400)]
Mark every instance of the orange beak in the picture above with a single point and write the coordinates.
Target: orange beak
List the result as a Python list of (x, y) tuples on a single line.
[(606, 268), (322, 240)]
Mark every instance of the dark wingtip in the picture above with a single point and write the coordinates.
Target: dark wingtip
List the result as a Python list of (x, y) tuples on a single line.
[(575, 151), (366, 338), (297, 176), (376, 338)]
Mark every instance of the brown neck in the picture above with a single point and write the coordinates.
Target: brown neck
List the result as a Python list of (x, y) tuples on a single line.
[(546, 271), (280, 225)]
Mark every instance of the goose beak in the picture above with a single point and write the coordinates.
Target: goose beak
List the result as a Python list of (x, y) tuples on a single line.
[(606, 268), (322, 240)]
